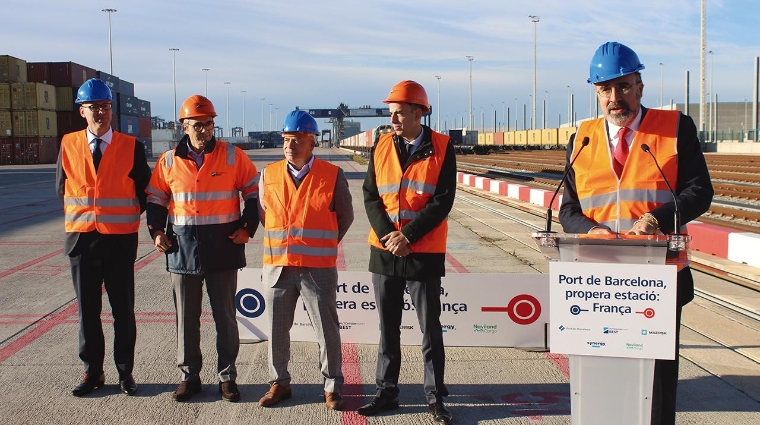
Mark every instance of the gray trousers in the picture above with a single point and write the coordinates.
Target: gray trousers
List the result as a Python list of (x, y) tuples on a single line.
[(318, 288), (188, 298)]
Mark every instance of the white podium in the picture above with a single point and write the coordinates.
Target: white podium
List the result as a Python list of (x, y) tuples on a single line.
[(612, 390)]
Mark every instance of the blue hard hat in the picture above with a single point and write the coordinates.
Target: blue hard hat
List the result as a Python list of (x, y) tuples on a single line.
[(93, 90), (300, 122), (613, 60)]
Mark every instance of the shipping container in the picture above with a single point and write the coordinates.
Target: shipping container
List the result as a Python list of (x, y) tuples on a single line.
[(456, 137), (12, 70), (6, 123), (126, 87), (509, 138), (6, 151), (49, 147), (38, 72), (143, 108), (26, 150), (64, 98), (148, 143), (18, 97), (69, 122), (564, 135), (111, 81), (5, 96), (549, 137), (39, 96), (38, 123), (498, 139), (534, 137), (127, 105), (144, 127), (521, 138), (129, 125), (69, 74), (19, 123)]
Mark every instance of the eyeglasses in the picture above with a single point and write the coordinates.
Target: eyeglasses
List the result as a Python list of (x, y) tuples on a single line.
[(203, 125), (622, 88), (100, 107)]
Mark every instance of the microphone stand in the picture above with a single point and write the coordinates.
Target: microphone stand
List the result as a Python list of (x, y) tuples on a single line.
[(584, 143)]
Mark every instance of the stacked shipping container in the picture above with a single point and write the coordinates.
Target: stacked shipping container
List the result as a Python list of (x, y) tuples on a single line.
[(37, 108)]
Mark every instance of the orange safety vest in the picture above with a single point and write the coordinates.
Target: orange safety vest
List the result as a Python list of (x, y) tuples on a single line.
[(405, 193), (300, 230), (200, 197), (105, 201), (618, 203)]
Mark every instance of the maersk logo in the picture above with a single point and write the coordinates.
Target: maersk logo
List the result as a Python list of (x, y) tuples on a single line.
[(648, 332)]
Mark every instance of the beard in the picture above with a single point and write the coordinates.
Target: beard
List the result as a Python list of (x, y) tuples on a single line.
[(620, 113)]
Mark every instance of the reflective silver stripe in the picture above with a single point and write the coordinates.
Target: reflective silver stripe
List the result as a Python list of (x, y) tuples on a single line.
[(393, 218), (169, 159), (313, 233), (626, 195), (253, 183), (388, 188), (201, 220), (152, 190), (78, 202), (408, 214), (204, 196), (280, 250), (597, 201), (277, 234), (111, 218), (158, 201), (87, 217), (230, 155), (313, 251), (116, 202), (418, 186)]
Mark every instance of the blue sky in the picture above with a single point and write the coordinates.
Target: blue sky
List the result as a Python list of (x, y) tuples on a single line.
[(318, 54)]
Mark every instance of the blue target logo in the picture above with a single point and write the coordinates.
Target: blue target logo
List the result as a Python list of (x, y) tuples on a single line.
[(249, 303)]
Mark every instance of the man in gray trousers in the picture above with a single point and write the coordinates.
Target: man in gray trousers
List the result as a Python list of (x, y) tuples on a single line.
[(306, 210)]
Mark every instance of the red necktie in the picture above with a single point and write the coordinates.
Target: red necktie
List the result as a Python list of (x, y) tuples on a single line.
[(621, 152)]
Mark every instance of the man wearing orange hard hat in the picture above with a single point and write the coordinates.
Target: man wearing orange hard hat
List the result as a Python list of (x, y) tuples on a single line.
[(408, 194), (194, 218)]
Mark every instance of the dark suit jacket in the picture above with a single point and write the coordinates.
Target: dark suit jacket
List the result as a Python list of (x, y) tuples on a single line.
[(694, 192), (140, 174)]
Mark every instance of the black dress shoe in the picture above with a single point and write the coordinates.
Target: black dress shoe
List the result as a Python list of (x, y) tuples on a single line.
[(88, 384), (440, 414), (127, 385), (377, 405)]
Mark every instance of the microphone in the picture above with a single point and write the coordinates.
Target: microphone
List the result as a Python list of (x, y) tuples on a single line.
[(584, 143), (676, 214)]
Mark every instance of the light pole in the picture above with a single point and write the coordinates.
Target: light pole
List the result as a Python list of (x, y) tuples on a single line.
[(110, 46), (546, 107), (569, 107), (270, 117), (744, 123), (662, 101), (438, 106), (504, 118), (262, 113), (534, 19), (206, 70), (469, 59), (243, 91), (229, 129), (276, 117), (174, 51), (516, 121), (712, 96)]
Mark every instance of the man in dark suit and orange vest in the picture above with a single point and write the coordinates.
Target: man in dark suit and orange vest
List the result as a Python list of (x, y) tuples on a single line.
[(615, 187), (306, 211), (101, 177), (408, 193), (194, 217)]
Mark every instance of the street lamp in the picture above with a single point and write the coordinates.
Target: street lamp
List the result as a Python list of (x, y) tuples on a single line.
[(546, 107), (438, 106), (229, 129), (270, 117), (206, 70), (469, 59), (276, 117), (712, 96), (174, 51), (243, 91), (110, 46), (662, 101), (534, 19), (262, 113), (569, 107)]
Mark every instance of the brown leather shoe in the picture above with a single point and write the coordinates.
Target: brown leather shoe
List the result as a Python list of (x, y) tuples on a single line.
[(276, 394), (186, 390), (333, 401), (229, 391)]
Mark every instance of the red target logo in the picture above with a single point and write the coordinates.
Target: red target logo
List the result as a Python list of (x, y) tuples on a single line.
[(523, 309)]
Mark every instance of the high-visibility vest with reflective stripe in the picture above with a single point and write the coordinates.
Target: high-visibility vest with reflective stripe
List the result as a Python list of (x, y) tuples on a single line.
[(299, 228), (618, 203), (405, 193), (208, 195), (105, 201)]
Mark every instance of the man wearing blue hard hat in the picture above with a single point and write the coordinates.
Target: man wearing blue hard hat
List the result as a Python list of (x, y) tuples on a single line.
[(306, 210), (101, 177), (616, 186)]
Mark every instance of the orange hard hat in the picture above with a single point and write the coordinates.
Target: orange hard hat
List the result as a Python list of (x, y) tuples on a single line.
[(409, 91), (196, 106)]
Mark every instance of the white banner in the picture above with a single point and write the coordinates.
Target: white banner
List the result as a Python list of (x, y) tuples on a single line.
[(489, 310), (613, 310)]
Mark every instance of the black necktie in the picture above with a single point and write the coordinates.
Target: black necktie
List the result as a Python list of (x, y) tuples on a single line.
[(404, 149), (97, 154)]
